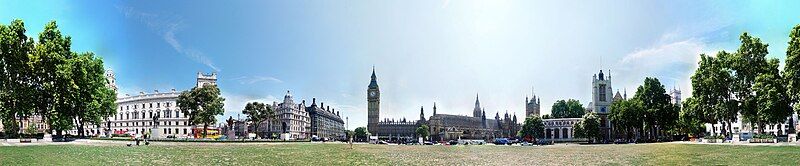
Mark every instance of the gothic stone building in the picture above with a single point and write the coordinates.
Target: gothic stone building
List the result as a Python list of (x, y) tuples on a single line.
[(325, 122), (442, 126)]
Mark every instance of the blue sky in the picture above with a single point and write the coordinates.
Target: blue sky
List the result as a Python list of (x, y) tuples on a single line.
[(423, 51)]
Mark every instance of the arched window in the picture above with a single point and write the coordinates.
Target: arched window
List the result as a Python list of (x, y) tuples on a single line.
[(177, 115), (565, 133)]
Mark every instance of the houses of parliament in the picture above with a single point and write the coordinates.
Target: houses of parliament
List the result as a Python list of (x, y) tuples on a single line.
[(443, 126)]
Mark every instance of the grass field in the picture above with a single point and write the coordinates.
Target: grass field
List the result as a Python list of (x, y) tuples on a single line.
[(340, 154)]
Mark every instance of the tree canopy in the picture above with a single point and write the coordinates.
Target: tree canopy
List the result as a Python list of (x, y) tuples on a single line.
[(532, 128), (258, 113), (567, 109), (202, 104)]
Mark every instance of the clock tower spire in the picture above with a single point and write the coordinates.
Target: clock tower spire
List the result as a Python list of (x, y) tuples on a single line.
[(373, 104)]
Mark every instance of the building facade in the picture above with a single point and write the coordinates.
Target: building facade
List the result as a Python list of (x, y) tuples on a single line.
[(601, 102), (325, 122), (137, 113), (293, 121), (560, 130), (442, 126)]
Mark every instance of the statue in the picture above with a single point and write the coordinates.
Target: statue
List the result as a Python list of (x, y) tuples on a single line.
[(230, 134), (155, 119)]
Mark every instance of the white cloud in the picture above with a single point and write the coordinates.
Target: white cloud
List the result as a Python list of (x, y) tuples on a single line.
[(672, 63), (256, 79), (167, 27)]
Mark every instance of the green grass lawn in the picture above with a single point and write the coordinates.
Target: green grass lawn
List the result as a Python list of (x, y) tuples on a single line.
[(339, 154)]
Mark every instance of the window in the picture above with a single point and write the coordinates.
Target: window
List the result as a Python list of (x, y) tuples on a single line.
[(151, 105), (158, 105), (602, 92), (177, 114), (184, 131)]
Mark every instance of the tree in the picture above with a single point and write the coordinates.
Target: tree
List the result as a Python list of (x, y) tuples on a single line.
[(567, 109), (746, 64), (258, 113), (658, 112), (91, 99), (423, 131), (16, 76), (588, 127), (712, 85), (361, 133), (792, 68), (690, 121), (532, 128), (626, 115), (771, 98), (202, 104)]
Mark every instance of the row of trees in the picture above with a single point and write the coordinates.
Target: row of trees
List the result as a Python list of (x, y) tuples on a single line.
[(745, 83), (649, 114), (45, 77)]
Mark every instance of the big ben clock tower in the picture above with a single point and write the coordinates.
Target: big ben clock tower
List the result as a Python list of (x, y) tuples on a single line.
[(373, 104)]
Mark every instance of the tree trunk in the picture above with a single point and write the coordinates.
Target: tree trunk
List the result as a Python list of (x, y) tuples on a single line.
[(205, 130)]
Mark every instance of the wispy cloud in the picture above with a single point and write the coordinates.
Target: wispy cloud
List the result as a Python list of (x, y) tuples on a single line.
[(167, 28), (256, 79)]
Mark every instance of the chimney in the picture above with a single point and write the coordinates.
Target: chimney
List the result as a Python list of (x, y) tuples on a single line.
[(329, 108), (337, 113), (173, 90), (156, 90), (141, 93), (322, 104)]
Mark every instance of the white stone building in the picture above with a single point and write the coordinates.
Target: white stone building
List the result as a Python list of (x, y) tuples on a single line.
[(293, 121)]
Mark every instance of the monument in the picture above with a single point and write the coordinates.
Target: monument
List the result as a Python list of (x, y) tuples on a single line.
[(231, 134), (154, 132)]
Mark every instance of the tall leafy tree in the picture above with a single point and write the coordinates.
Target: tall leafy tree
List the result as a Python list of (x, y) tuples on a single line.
[(626, 115), (712, 86), (792, 68), (92, 99), (746, 64), (588, 127), (52, 77), (689, 121), (567, 109), (658, 111), (15, 76), (258, 113), (771, 98), (532, 128), (202, 104)]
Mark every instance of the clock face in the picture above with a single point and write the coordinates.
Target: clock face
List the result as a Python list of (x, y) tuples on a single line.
[(372, 94)]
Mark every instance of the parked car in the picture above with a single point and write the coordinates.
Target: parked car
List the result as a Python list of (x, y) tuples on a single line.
[(526, 143), (453, 142), (501, 141), (430, 143)]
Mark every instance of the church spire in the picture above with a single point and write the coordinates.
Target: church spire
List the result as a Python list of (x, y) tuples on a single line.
[(434, 108), (477, 111)]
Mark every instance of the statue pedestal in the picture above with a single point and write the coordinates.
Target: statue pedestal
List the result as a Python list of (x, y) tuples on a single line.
[(155, 133), (47, 138), (231, 135)]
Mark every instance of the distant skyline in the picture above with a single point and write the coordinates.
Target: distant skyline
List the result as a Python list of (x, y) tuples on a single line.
[(423, 51)]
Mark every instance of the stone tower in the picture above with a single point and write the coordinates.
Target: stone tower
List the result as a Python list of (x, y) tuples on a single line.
[(373, 104), (532, 106), (675, 94), (111, 80), (602, 96), (206, 79)]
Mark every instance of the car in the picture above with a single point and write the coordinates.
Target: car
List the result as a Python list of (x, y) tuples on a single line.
[(383, 142), (501, 141), (429, 143), (526, 143), (453, 142)]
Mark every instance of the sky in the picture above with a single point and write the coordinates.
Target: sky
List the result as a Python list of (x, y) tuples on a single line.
[(423, 51)]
